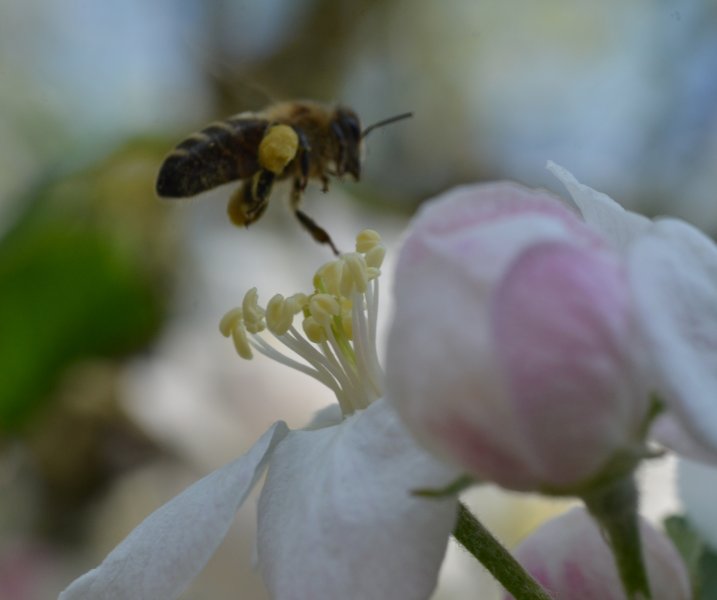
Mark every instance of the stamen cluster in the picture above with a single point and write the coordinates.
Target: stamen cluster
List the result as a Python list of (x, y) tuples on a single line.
[(338, 341)]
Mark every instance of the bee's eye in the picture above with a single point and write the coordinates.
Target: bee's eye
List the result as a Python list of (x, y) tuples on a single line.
[(354, 127), (349, 123)]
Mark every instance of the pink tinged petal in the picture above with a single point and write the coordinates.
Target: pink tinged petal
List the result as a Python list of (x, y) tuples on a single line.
[(170, 547), (468, 220), (571, 559), (475, 205), (440, 363), (337, 518), (564, 336), (673, 272), (601, 212)]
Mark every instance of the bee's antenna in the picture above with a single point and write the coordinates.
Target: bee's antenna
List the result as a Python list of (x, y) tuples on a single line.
[(388, 121)]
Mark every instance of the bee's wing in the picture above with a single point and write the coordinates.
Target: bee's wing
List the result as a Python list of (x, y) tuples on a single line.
[(220, 153)]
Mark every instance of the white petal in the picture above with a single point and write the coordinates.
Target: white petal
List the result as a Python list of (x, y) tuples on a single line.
[(337, 518), (601, 212), (170, 547), (669, 432), (673, 271), (458, 249), (326, 417)]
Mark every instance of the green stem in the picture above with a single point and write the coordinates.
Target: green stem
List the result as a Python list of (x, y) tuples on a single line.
[(475, 538), (614, 507)]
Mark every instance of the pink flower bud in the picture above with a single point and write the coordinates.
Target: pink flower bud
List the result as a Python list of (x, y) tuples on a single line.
[(570, 558), (513, 350)]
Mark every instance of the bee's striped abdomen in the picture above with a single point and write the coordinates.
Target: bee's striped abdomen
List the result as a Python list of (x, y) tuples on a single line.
[(222, 152)]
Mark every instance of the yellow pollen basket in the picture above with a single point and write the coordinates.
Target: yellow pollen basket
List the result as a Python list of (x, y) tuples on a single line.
[(236, 209), (278, 148)]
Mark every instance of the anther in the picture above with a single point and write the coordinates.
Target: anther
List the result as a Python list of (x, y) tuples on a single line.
[(278, 316), (241, 341), (374, 257), (253, 314), (296, 303), (367, 240), (313, 330), (353, 275), (328, 277), (342, 306), (323, 308), (229, 321)]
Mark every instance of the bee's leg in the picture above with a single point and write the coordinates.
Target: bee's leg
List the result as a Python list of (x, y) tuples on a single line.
[(340, 148), (305, 163), (317, 232), (304, 158), (324, 183), (261, 185), (249, 202)]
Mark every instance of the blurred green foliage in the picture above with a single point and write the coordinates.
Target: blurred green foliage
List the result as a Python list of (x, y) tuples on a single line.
[(64, 295), (700, 559), (81, 276)]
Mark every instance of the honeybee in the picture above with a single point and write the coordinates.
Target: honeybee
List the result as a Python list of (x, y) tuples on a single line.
[(300, 140)]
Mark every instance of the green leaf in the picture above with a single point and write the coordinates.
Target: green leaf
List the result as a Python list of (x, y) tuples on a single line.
[(699, 557)]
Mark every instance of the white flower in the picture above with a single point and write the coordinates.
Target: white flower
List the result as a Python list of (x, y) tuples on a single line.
[(337, 517), (673, 271), (530, 339)]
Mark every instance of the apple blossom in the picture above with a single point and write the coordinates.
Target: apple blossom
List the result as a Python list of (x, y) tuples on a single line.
[(568, 555), (549, 334), (673, 277), (337, 517)]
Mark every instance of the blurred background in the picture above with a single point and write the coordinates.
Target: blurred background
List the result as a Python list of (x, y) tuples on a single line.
[(116, 389)]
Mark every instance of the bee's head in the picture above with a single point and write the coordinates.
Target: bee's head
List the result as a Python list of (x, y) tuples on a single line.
[(348, 125)]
